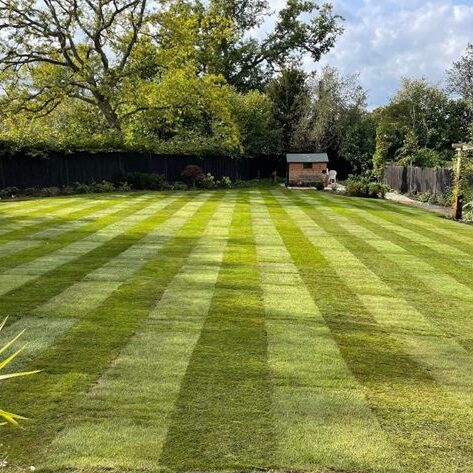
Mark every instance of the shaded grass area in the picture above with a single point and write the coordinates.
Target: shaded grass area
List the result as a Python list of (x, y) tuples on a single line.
[(238, 331)]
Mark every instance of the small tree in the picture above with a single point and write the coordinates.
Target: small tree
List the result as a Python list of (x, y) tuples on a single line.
[(193, 172)]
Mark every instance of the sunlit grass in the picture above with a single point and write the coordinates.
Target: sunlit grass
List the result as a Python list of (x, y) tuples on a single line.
[(237, 330)]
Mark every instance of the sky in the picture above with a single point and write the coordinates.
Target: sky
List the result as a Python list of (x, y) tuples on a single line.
[(386, 40)]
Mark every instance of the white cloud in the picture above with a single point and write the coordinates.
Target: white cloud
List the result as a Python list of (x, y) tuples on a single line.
[(387, 40)]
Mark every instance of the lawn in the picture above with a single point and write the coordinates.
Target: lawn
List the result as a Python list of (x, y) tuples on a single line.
[(238, 330)]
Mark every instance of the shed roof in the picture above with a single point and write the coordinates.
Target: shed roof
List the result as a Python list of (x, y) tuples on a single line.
[(307, 158)]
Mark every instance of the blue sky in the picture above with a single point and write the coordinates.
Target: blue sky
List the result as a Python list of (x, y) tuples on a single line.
[(386, 40)]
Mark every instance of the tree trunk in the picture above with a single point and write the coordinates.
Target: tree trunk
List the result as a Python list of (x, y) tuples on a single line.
[(110, 115)]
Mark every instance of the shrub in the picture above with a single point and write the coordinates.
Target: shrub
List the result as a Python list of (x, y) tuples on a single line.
[(207, 181), (319, 185), (145, 181), (377, 190), (468, 212), (124, 187), (9, 192), (425, 197), (193, 173), (30, 191), (81, 188), (103, 186), (67, 190), (363, 187), (49, 191), (180, 186), (224, 183)]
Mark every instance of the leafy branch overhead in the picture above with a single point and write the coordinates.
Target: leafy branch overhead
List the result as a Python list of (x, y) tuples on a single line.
[(119, 58)]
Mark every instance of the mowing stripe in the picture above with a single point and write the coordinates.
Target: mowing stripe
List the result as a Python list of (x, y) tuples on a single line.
[(21, 227), (39, 335), (426, 424), (17, 221), (451, 233), (440, 282), (92, 344), (54, 282), (37, 206), (437, 238), (446, 360), (30, 271), (321, 414), (93, 220), (447, 259), (34, 235), (151, 367), (83, 297), (448, 306), (223, 416)]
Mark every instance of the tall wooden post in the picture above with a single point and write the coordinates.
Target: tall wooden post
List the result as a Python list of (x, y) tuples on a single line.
[(457, 204)]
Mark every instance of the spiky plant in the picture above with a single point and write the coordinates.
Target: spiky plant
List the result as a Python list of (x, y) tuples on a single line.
[(8, 417)]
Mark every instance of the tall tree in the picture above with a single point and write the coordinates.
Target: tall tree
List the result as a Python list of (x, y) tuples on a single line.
[(460, 76), (337, 102), (79, 49), (290, 96), (303, 27)]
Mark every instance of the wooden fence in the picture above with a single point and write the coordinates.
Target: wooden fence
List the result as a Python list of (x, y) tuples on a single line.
[(416, 180), (59, 169)]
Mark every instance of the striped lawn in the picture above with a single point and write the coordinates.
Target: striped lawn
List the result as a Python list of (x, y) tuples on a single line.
[(237, 331)]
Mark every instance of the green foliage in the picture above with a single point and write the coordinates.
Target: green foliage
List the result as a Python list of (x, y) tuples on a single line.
[(358, 143), (419, 126), (363, 187), (289, 94), (259, 132), (246, 61), (8, 417), (338, 103), (225, 183), (103, 186), (9, 192), (144, 181), (207, 181), (461, 77), (123, 75)]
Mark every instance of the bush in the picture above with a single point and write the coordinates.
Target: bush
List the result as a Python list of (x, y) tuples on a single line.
[(145, 181), (468, 212), (225, 183), (319, 185), (31, 191), (9, 192), (124, 187), (180, 186), (377, 190), (103, 186), (81, 188), (363, 187), (49, 191), (193, 174), (207, 181)]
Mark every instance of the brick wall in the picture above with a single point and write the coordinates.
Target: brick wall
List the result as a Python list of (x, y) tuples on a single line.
[(297, 173)]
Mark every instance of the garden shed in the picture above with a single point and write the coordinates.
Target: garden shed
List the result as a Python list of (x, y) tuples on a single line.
[(305, 169)]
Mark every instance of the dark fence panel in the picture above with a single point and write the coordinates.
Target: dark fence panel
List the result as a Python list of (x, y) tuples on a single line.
[(64, 169), (418, 180)]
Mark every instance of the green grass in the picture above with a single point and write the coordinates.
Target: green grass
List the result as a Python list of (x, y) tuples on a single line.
[(237, 331)]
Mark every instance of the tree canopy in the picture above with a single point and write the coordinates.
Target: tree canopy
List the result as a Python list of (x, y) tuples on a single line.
[(158, 74)]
